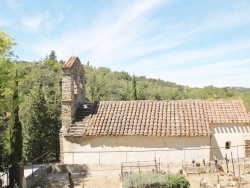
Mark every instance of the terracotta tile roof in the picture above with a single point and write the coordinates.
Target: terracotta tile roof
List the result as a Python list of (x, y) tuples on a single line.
[(163, 118), (70, 62)]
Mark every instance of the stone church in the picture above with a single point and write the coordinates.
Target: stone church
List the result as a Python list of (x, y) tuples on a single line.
[(111, 132)]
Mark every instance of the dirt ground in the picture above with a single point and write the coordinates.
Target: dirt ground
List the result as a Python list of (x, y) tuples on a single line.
[(98, 176), (103, 176), (108, 176)]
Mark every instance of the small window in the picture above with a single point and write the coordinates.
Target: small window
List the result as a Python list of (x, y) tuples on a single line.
[(228, 145)]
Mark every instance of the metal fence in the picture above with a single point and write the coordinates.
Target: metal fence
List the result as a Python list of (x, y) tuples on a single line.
[(181, 155), (139, 166)]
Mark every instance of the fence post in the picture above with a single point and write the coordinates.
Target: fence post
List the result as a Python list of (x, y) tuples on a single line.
[(122, 171), (186, 170), (126, 156), (99, 157), (155, 165), (233, 163), (237, 152), (159, 165), (244, 165), (184, 155), (239, 169)]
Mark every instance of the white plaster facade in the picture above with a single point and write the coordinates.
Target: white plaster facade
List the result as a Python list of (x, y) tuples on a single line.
[(236, 134), (117, 149)]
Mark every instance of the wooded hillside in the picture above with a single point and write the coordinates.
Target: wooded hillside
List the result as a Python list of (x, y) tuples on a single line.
[(104, 84)]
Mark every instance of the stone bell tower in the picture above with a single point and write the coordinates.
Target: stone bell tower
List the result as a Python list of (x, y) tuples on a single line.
[(73, 89), (73, 93)]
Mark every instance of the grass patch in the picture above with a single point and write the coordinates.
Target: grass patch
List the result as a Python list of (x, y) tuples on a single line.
[(155, 180)]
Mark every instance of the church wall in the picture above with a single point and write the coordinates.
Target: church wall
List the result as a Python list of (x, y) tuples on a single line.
[(117, 149), (236, 134)]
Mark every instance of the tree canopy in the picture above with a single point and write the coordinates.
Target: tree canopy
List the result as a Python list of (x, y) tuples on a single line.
[(6, 93), (104, 84), (6, 44)]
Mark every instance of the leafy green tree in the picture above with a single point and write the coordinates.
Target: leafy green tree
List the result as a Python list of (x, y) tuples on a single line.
[(6, 44), (6, 67), (3, 151), (92, 86)]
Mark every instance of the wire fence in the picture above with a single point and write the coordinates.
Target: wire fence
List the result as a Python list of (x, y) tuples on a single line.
[(168, 155), (139, 166)]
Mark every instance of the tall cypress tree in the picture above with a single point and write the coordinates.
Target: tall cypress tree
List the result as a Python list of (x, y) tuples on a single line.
[(40, 136), (134, 91), (15, 131)]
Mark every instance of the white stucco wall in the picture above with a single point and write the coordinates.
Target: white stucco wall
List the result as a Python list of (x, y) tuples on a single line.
[(117, 149), (235, 133)]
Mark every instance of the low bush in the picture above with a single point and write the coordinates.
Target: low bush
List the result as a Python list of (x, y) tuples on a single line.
[(155, 180)]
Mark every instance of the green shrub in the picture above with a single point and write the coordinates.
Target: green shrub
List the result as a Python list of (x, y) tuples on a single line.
[(155, 180)]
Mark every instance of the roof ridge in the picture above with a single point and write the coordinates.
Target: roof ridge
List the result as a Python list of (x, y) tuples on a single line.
[(70, 62), (206, 100)]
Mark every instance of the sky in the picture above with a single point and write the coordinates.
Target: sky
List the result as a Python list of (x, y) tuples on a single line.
[(189, 42)]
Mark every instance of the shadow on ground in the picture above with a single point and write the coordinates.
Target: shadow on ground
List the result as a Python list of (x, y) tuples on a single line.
[(59, 176), (61, 179)]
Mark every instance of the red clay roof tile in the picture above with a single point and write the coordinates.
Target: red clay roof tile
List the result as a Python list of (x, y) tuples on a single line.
[(70, 62), (164, 118)]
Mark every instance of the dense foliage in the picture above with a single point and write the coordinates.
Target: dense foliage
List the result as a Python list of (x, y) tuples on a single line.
[(6, 44), (156, 180), (103, 84), (40, 92), (29, 107), (6, 94)]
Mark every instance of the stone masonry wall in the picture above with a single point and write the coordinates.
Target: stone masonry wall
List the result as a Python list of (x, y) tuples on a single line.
[(73, 93)]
